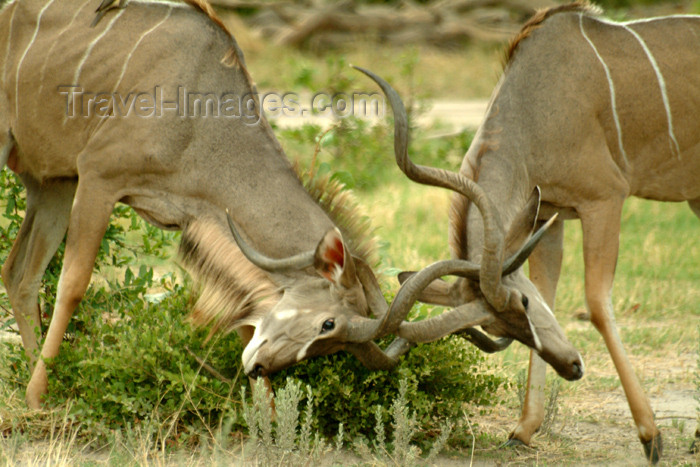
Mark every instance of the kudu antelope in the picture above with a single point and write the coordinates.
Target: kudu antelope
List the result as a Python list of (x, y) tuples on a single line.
[(79, 153), (591, 112)]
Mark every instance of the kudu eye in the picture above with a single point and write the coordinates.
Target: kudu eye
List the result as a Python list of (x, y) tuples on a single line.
[(328, 325), (525, 301)]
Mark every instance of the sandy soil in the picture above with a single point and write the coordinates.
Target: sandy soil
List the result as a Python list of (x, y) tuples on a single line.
[(594, 425)]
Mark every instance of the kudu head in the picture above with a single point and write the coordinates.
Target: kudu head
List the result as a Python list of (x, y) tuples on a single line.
[(321, 313), (494, 294)]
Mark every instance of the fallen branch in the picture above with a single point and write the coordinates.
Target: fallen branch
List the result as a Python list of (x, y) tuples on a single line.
[(208, 367)]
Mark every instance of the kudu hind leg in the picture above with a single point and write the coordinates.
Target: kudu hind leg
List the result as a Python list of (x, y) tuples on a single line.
[(43, 228), (695, 447), (545, 267), (601, 230), (89, 219)]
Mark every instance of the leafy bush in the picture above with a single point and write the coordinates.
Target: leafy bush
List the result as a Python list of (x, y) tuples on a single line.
[(441, 377), (137, 367), (140, 364)]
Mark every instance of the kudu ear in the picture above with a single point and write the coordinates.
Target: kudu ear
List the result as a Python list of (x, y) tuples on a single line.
[(524, 224), (439, 292), (333, 261)]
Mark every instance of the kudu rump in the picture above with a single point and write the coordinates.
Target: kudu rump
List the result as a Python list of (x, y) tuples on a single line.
[(78, 126), (591, 112)]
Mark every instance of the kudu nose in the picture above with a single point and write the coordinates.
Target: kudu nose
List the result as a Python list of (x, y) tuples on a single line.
[(577, 370), (257, 372)]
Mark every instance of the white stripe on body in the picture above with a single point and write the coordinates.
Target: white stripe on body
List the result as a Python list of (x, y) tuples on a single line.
[(7, 49), (88, 51), (657, 18), (662, 87), (138, 42), (24, 55), (49, 54), (611, 85), (171, 4)]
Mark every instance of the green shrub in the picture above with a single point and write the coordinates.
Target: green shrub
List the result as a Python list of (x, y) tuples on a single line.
[(135, 368), (140, 365), (441, 377)]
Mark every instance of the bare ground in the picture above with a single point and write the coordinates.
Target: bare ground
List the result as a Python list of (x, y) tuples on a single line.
[(594, 425)]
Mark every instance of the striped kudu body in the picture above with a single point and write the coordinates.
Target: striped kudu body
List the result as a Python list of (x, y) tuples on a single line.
[(591, 112), (78, 153)]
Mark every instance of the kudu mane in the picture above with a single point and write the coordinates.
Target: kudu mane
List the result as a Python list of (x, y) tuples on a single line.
[(343, 209), (540, 16), (205, 7), (232, 57), (232, 291)]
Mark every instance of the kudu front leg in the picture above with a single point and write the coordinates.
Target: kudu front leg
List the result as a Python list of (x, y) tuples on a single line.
[(89, 219), (43, 228), (545, 267), (601, 231)]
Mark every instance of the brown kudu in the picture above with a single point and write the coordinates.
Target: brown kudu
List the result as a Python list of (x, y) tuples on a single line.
[(83, 123), (591, 112)]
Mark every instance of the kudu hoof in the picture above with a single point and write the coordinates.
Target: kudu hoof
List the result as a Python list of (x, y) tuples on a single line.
[(513, 443), (654, 448), (582, 315)]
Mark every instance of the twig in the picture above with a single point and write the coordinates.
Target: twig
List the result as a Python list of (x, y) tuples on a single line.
[(208, 367), (471, 430), (673, 417), (311, 172)]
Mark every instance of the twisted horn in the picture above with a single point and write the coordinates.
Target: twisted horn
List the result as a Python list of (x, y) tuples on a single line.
[(366, 329), (388, 321), (296, 262), (490, 272), (470, 270), (484, 342), (375, 298), (465, 316), (519, 258), (462, 318), (374, 358)]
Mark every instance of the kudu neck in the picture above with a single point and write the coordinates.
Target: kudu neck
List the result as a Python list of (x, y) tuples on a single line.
[(499, 170)]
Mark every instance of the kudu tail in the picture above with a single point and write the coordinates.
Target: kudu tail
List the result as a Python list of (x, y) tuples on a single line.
[(7, 142)]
